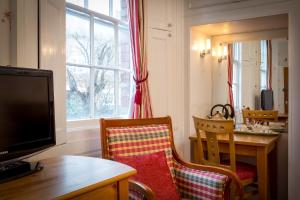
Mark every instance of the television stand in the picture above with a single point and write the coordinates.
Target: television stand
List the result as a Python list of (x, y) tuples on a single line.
[(17, 169)]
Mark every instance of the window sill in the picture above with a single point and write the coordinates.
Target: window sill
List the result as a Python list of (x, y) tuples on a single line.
[(78, 125), (87, 124)]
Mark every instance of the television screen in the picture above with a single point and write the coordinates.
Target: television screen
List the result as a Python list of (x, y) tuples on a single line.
[(267, 102), (26, 111)]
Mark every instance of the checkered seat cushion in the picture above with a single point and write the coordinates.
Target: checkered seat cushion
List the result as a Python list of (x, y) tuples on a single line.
[(196, 184), (141, 140)]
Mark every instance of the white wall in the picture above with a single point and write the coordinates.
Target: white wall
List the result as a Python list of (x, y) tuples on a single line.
[(279, 61), (24, 37), (219, 82), (200, 79), (18, 42)]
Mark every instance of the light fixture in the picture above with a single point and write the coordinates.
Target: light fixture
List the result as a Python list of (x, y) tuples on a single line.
[(206, 49), (203, 47), (221, 52)]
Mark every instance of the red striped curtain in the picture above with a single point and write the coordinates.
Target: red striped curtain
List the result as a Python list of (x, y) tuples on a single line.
[(269, 64), (141, 107), (230, 74)]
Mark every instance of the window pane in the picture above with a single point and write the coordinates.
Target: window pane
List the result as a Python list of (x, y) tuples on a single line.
[(76, 2), (101, 6), (235, 72), (104, 93), (124, 48), (235, 97), (120, 10), (124, 93), (78, 38), (78, 94), (104, 43), (263, 50)]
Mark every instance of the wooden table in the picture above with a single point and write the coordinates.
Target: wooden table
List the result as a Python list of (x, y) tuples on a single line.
[(283, 117), (260, 147), (72, 177)]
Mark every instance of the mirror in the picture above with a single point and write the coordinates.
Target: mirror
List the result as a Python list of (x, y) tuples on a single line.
[(250, 74), (249, 37), (19, 41)]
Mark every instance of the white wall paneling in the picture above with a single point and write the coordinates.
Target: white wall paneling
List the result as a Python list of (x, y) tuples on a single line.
[(52, 46), (165, 63), (19, 36), (159, 66), (24, 41), (160, 14)]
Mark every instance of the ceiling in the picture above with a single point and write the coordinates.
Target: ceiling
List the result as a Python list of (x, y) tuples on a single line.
[(274, 22)]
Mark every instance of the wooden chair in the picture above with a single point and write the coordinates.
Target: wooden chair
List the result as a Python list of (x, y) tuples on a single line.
[(191, 179), (263, 116), (211, 128)]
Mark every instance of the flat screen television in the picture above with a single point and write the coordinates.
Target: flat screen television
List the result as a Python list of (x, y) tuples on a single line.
[(267, 101), (26, 112)]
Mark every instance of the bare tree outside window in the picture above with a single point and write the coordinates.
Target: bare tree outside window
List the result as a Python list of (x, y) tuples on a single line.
[(96, 83)]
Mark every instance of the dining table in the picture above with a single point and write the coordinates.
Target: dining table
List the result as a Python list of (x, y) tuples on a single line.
[(258, 144)]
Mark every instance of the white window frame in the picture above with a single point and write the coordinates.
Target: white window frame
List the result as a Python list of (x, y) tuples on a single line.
[(263, 64), (237, 61), (92, 122)]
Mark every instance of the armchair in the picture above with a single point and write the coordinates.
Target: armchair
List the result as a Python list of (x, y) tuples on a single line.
[(132, 137)]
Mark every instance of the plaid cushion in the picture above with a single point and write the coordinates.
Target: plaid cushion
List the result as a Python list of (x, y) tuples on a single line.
[(197, 184), (140, 140)]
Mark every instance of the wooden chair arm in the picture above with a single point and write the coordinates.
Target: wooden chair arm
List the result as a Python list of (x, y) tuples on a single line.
[(227, 172), (142, 188)]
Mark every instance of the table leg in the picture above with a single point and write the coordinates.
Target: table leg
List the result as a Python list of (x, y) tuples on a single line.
[(273, 173), (262, 172), (123, 193)]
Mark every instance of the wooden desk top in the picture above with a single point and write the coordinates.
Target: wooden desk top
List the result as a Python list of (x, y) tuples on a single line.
[(251, 140), (66, 177)]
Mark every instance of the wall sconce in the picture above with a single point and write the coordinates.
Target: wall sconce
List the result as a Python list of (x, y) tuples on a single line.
[(203, 47), (221, 52)]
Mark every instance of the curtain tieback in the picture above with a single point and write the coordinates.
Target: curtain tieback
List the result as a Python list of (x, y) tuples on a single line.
[(230, 84), (138, 90)]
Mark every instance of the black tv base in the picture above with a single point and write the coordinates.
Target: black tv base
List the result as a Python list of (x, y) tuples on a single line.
[(17, 169)]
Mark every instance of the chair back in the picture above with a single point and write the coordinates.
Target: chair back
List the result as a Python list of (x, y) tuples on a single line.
[(132, 137), (210, 129), (259, 115)]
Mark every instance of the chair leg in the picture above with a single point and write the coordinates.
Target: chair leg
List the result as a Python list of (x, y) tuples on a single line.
[(233, 192)]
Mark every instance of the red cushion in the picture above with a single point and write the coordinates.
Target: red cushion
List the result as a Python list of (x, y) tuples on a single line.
[(153, 171), (245, 171)]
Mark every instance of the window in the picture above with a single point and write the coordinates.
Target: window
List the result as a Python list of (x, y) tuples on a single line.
[(263, 65), (98, 60), (236, 82)]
